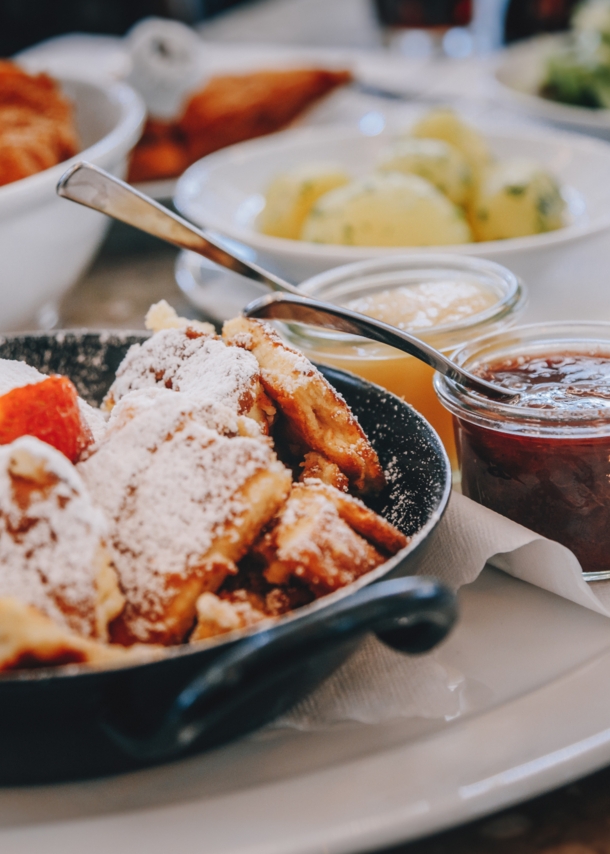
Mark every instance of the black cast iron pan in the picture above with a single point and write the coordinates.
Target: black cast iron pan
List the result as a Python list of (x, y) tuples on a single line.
[(74, 722)]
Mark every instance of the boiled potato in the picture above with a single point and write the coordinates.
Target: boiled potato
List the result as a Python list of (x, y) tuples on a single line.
[(386, 209), (291, 195), (515, 198), (446, 125), (433, 159)]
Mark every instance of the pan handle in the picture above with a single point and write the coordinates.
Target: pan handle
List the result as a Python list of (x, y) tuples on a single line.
[(409, 614)]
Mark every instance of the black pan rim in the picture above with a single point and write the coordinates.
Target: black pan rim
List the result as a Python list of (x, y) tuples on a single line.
[(83, 671)]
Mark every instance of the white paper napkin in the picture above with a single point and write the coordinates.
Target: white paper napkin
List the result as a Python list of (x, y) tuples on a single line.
[(378, 684), (470, 535)]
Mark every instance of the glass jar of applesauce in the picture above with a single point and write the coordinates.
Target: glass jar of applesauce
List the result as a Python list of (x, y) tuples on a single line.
[(444, 299), (543, 459)]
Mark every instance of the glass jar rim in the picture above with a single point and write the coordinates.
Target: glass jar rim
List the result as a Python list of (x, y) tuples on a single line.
[(550, 337), (349, 280)]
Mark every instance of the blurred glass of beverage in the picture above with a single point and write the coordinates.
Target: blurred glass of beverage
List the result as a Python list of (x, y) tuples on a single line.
[(525, 18), (426, 27)]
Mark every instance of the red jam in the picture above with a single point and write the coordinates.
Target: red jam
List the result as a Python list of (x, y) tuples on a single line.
[(569, 382), (557, 485)]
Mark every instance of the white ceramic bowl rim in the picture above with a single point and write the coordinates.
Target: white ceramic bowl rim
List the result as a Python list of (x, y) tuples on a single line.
[(132, 114), (183, 200)]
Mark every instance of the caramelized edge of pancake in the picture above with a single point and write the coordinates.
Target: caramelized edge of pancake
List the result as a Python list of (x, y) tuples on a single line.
[(317, 466), (370, 525), (379, 538), (110, 600), (315, 411), (314, 544), (30, 639)]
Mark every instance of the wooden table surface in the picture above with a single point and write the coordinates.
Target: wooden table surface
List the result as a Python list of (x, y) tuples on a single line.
[(134, 270)]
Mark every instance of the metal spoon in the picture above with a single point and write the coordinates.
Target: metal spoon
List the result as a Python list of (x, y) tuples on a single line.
[(93, 187), (329, 316)]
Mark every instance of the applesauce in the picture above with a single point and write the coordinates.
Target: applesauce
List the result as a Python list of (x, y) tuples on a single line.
[(444, 299)]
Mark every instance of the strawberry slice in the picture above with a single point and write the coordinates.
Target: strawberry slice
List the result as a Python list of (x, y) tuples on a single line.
[(49, 411)]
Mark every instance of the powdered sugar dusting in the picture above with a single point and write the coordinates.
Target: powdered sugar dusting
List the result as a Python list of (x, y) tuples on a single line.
[(49, 534), (191, 362), (168, 485), (14, 374), (94, 419), (329, 527), (317, 545), (239, 336), (300, 369), (299, 361), (169, 408)]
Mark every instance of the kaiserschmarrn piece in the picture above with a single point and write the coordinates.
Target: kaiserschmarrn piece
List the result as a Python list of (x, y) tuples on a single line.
[(317, 417), (29, 639), (52, 552), (161, 315), (216, 615), (242, 607), (317, 466), (198, 364), (326, 539), (184, 504)]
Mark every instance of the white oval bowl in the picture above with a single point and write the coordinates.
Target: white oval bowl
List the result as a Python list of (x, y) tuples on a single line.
[(564, 269), (46, 242)]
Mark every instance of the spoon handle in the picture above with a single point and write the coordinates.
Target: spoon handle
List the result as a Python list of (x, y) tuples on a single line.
[(93, 187), (329, 316)]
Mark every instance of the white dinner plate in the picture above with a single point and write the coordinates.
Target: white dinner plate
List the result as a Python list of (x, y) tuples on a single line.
[(519, 72), (535, 700)]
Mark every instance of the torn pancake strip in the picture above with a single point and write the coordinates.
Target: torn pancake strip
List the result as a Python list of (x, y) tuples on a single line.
[(183, 503), (191, 361), (316, 412)]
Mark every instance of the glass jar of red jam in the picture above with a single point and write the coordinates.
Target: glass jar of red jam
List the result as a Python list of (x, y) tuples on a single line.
[(542, 459)]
